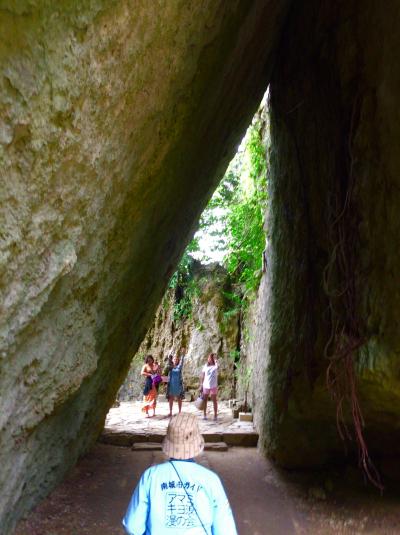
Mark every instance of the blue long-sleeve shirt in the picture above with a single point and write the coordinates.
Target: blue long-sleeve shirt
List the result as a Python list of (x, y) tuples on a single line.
[(160, 504)]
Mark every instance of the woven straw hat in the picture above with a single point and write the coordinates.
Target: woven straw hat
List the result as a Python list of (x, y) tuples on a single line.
[(183, 440)]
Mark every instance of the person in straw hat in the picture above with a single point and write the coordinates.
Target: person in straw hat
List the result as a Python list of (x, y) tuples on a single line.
[(180, 497)]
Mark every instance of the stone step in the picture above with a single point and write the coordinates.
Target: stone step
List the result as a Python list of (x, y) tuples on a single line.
[(146, 446), (127, 439), (156, 446), (248, 440), (245, 417), (215, 446)]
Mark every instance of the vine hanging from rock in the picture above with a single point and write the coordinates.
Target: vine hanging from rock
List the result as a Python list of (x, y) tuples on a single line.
[(347, 334)]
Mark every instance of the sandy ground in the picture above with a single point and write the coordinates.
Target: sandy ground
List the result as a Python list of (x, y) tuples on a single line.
[(265, 501)]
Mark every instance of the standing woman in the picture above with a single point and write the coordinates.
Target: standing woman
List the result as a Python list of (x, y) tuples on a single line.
[(175, 383), (149, 370), (209, 383)]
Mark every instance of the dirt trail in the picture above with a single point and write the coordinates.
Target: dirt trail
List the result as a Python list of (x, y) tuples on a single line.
[(93, 498)]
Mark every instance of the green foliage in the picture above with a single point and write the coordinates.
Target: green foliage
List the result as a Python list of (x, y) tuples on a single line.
[(234, 354), (247, 242), (246, 237), (235, 218), (184, 285), (228, 314), (232, 306), (235, 214), (183, 307), (184, 271), (232, 299), (199, 326)]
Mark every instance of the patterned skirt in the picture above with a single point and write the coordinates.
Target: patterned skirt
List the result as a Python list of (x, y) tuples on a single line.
[(150, 400)]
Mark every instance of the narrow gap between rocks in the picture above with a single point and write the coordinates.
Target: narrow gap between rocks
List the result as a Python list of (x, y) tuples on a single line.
[(209, 305)]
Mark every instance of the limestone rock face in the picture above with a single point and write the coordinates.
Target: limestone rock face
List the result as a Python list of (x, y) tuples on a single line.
[(210, 327), (253, 369), (116, 121), (334, 188)]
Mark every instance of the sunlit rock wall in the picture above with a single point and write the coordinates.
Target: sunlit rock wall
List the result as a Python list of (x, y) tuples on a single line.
[(116, 120), (335, 121), (212, 325)]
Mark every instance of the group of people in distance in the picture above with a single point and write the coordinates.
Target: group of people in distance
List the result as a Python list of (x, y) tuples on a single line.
[(152, 372), (179, 496)]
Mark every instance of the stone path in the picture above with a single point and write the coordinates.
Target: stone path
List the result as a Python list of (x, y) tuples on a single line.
[(93, 498), (126, 425), (266, 501)]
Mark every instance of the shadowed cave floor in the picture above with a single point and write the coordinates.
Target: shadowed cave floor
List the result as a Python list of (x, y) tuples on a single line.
[(265, 501)]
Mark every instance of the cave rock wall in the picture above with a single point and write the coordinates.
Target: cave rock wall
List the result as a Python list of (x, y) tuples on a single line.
[(117, 118), (334, 229)]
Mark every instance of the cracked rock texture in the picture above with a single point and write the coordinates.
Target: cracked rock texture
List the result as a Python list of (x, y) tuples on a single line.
[(116, 120), (335, 121)]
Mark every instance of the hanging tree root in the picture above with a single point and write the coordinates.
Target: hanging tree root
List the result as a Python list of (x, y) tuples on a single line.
[(346, 335)]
